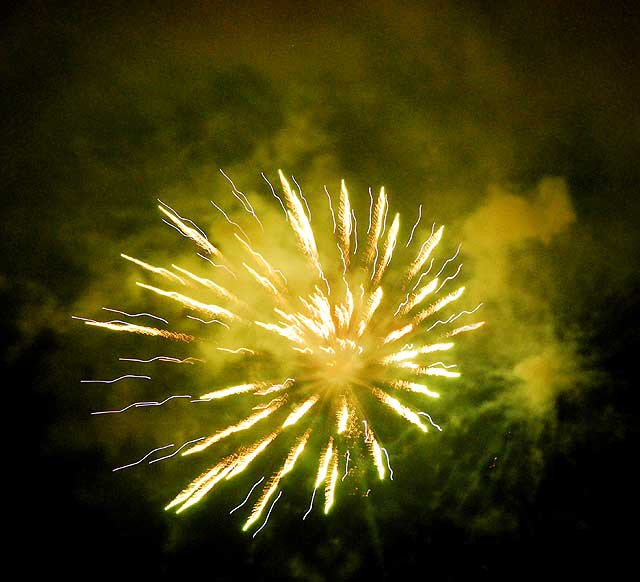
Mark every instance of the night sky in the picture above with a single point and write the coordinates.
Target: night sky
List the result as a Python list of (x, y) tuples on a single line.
[(515, 124)]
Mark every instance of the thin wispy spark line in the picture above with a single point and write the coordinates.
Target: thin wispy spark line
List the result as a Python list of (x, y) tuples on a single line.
[(183, 219), (188, 360), (454, 317), (302, 196), (386, 454), (346, 466), (244, 200), (236, 351), (449, 260), (217, 266), (431, 420), (182, 446), (313, 496), (333, 216), (233, 223), (276, 196), (355, 231), (142, 405), (414, 226), (248, 495), (268, 514), (208, 322), (145, 457), (449, 278), (135, 314), (115, 379), (422, 276)]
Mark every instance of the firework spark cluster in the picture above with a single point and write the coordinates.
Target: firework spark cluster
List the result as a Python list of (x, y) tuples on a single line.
[(350, 337)]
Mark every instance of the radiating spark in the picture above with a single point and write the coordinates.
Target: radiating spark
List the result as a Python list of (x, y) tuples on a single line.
[(182, 446), (141, 405), (334, 344), (376, 453), (423, 275), (274, 482), (440, 304), (242, 425), (193, 224), (209, 309), (386, 454), (143, 330), (300, 411), (330, 486), (413, 387), (231, 391), (396, 334), (415, 226), (158, 270), (464, 328), (194, 234), (136, 314), (424, 253), (218, 290), (387, 250), (115, 379), (437, 372), (343, 416), (143, 458), (401, 409), (344, 225)]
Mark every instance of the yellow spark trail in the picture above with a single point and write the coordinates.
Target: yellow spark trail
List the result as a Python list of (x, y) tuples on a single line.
[(332, 338)]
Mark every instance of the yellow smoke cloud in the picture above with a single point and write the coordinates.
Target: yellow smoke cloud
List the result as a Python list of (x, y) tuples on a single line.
[(500, 238)]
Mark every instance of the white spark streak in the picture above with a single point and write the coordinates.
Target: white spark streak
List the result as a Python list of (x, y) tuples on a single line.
[(268, 514), (135, 314), (431, 420), (115, 379), (182, 446), (248, 495), (386, 454), (141, 405), (145, 457), (415, 226)]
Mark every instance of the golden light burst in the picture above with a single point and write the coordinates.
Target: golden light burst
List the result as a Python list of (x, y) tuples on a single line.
[(348, 337)]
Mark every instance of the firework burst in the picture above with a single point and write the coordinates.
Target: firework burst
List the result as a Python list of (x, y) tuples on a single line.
[(349, 337)]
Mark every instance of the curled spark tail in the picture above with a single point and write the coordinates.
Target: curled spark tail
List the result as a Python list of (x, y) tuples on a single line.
[(336, 332)]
